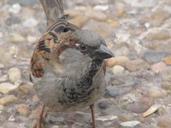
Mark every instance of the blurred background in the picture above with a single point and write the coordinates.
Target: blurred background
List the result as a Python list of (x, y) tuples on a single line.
[(138, 93)]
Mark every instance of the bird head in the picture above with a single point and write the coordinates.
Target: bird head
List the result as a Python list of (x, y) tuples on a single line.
[(79, 49), (93, 45), (87, 45)]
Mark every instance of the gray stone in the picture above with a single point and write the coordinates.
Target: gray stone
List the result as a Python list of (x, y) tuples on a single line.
[(129, 98), (107, 118), (16, 38), (31, 22), (7, 87), (15, 8), (138, 107), (164, 121), (31, 39), (141, 4), (154, 57), (123, 51), (13, 20), (157, 92), (130, 124), (156, 34), (122, 36), (1, 66), (53, 119), (11, 125), (82, 117), (158, 67), (14, 74), (158, 17), (118, 60), (23, 2), (117, 70), (136, 65), (3, 78), (103, 104), (56, 126), (8, 99), (114, 91)]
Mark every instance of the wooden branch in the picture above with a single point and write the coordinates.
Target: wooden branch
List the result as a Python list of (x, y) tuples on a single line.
[(53, 10)]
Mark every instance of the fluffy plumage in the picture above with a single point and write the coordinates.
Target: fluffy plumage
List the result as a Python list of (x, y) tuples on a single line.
[(67, 67), (72, 76)]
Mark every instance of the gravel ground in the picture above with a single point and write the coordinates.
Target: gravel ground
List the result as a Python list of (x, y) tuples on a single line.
[(138, 94)]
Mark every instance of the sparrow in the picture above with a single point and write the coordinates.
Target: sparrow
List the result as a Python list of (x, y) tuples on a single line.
[(68, 69)]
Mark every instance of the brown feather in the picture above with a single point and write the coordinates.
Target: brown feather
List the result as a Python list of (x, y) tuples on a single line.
[(51, 44)]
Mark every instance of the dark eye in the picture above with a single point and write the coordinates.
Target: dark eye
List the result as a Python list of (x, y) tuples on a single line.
[(83, 47)]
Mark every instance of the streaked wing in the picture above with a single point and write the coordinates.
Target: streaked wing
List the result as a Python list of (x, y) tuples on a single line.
[(41, 54), (47, 42)]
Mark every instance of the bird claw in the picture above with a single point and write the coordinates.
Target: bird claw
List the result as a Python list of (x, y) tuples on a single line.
[(39, 125), (40, 121)]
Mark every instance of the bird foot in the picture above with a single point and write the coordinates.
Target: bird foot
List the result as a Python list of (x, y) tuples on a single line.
[(40, 121), (39, 125), (93, 116)]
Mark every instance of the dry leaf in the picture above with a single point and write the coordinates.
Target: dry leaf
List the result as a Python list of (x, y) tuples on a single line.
[(151, 110)]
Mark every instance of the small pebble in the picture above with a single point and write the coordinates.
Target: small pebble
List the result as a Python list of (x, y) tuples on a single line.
[(157, 92), (158, 35), (3, 78), (164, 121), (154, 57), (117, 69), (1, 66), (8, 99), (15, 8), (32, 22), (7, 87), (1, 107), (23, 109), (14, 74), (103, 104), (55, 126), (138, 104), (101, 7), (25, 88), (106, 118), (158, 67), (11, 118), (147, 25), (167, 60), (130, 124), (135, 65), (16, 38), (31, 39), (119, 60)]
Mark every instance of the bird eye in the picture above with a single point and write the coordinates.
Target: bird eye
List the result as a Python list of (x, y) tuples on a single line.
[(83, 47)]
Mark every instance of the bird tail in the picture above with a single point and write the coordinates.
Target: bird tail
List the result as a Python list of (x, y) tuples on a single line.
[(53, 9)]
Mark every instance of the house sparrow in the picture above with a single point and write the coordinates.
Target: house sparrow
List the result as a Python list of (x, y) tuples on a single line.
[(68, 69)]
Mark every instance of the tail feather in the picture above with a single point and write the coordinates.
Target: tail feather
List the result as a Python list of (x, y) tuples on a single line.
[(53, 9)]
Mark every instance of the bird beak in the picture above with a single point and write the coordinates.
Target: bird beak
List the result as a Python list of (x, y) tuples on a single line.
[(103, 52)]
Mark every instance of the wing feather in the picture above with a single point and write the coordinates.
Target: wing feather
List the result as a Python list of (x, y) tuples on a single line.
[(47, 43)]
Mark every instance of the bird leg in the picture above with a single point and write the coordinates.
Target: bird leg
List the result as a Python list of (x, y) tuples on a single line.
[(93, 116), (40, 121)]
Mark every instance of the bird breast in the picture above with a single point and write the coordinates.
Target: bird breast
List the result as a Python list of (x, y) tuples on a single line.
[(63, 93)]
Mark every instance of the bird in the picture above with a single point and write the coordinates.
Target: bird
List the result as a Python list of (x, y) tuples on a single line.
[(68, 68)]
